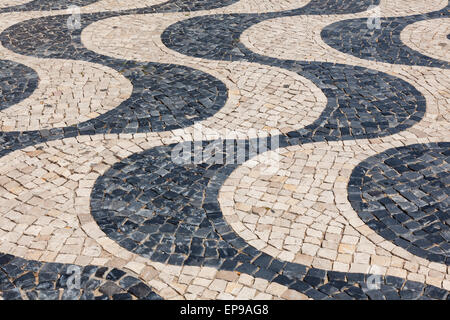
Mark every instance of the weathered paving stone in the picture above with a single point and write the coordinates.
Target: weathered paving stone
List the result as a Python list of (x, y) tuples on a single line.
[(110, 289), (403, 194)]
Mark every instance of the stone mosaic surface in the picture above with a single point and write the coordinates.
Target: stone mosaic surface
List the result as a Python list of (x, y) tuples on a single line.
[(403, 195), (34, 280), (314, 161), (16, 82), (381, 42), (36, 5)]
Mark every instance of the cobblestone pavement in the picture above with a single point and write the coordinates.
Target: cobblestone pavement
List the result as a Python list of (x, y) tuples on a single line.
[(224, 149)]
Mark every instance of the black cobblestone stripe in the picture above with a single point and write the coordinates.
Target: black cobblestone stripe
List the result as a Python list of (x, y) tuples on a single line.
[(22, 279), (17, 82), (404, 195), (357, 38)]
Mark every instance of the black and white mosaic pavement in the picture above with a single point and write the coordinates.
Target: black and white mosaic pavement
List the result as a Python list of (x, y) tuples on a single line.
[(44, 5), (170, 5), (403, 194), (165, 97), (17, 82), (168, 212), (398, 105), (33, 280), (381, 43)]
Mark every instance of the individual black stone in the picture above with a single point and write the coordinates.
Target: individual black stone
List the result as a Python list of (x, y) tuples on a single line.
[(140, 290), (115, 274), (27, 281)]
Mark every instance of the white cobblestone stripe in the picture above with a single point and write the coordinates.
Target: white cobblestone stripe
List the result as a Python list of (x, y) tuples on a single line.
[(429, 37)]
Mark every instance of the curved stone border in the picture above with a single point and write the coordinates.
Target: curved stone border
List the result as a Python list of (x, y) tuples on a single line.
[(268, 98), (182, 94), (168, 281), (33, 137), (164, 220), (67, 233), (12, 137), (381, 108)]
